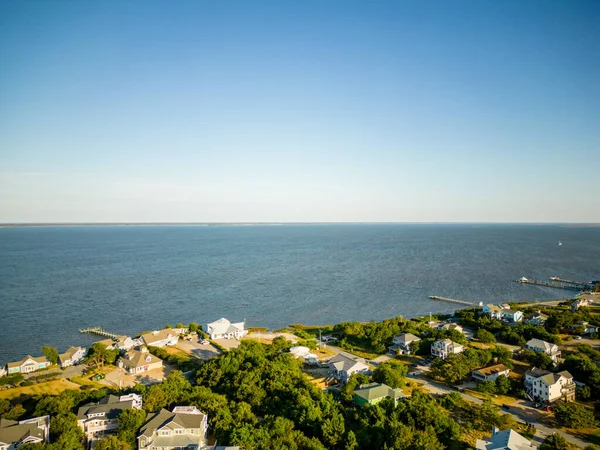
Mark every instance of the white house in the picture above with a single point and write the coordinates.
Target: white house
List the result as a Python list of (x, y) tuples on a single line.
[(584, 328), (490, 373), (184, 427), (445, 347), (161, 338), (342, 367), (3, 372), (451, 327), (27, 365), (99, 419), (224, 329), (539, 346), (139, 361), (402, 344), (537, 318), (14, 434), (545, 386), (511, 315), (72, 357), (304, 353), (494, 311), (504, 440)]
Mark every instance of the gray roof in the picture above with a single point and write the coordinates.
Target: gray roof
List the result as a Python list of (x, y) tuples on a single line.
[(538, 343), (373, 391), (406, 338), (12, 431), (111, 406), (343, 364), (504, 440), (164, 417)]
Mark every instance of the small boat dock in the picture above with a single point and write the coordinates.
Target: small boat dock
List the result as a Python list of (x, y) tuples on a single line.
[(452, 300), (553, 284), (100, 332)]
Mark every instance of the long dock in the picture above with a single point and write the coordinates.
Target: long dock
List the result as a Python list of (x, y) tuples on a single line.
[(552, 284), (100, 332), (576, 283), (452, 300)]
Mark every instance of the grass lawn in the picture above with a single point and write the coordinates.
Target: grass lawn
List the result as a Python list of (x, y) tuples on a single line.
[(592, 435), (54, 387), (497, 399)]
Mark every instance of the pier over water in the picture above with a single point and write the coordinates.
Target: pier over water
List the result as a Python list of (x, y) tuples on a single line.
[(100, 332), (453, 300)]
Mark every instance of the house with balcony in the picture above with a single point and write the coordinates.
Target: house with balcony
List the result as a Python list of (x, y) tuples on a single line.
[(504, 440), (490, 373), (494, 311), (401, 344), (224, 329), (98, 419), (373, 393), (27, 365), (539, 346), (139, 361), (544, 386), (537, 318), (342, 368), (72, 357), (445, 347), (14, 434), (183, 428)]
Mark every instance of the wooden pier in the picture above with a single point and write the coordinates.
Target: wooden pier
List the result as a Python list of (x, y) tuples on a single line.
[(100, 332), (452, 300), (551, 284), (576, 283)]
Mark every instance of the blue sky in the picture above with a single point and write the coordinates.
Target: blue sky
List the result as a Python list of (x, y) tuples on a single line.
[(299, 111)]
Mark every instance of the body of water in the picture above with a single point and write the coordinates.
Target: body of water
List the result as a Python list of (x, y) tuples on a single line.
[(128, 279)]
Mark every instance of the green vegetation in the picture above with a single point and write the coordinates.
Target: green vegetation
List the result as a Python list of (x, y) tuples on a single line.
[(130, 421), (99, 355), (572, 415), (485, 336), (181, 359), (391, 373), (112, 443), (51, 354), (14, 379)]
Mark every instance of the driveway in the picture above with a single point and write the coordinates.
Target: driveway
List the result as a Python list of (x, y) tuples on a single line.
[(120, 378), (200, 351), (72, 371)]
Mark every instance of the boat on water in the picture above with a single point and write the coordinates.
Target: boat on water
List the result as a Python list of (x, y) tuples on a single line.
[(559, 243)]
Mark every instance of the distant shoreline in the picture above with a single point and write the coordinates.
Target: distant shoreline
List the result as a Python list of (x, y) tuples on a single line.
[(212, 224)]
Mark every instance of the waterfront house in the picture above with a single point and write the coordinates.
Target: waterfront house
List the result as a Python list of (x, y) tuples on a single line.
[(3, 372), (542, 385), (401, 344), (504, 440), (451, 327), (490, 373), (72, 357), (304, 353), (14, 434), (184, 427), (539, 346), (342, 367), (579, 303), (445, 347), (125, 343), (537, 318), (139, 361), (100, 418), (27, 365), (373, 393), (224, 329), (160, 338), (494, 311), (583, 328), (511, 316)]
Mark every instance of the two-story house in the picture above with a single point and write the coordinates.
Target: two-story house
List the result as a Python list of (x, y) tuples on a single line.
[(504, 440), (401, 344), (373, 393), (341, 367), (14, 434), (27, 365), (451, 327), (72, 357), (511, 316), (139, 361), (183, 428), (161, 338), (99, 419), (542, 385), (583, 328), (537, 318), (224, 329), (494, 311), (539, 346), (445, 347), (490, 373)]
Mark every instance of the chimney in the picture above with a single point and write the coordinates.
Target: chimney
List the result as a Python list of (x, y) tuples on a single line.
[(495, 430)]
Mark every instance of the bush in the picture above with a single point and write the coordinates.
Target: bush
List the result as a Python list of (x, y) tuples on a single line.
[(485, 336), (571, 415), (487, 387)]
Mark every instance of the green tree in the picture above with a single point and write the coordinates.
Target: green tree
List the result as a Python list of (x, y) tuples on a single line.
[(583, 393), (64, 432), (485, 336), (15, 413), (99, 355), (51, 354), (503, 385), (487, 387), (391, 373), (571, 415), (351, 443), (112, 443), (4, 406), (130, 421), (555, 442)]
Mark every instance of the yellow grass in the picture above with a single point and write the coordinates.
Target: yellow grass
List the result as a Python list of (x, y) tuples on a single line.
[(497, 399), (53, 387)]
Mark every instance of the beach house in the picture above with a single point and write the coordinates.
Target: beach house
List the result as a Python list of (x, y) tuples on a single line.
[(504, 440), (139, 361), (445, 347), (14, 434), (224, 329), (342, 367), (537, 318), (100, 418), (451, 327), (373, 393), (511, 315), (27, 365), (539, 346), (72, 357), (401, 344), (494, 311), (161, 338), (183, 428), (490, 373), (542, 385)]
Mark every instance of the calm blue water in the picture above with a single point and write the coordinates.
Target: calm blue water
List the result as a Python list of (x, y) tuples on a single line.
[(128, 279)]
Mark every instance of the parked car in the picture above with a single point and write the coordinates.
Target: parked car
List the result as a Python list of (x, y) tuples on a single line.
[(577, 337), (205, 342)]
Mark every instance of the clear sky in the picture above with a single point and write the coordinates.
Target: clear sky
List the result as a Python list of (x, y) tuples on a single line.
[(402, 111)]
